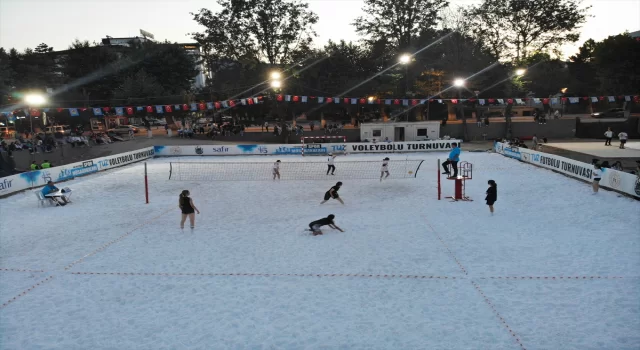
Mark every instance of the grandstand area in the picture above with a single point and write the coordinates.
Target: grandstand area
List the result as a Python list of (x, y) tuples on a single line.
[(556, 267)]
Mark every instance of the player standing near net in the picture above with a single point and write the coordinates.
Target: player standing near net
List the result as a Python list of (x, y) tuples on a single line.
[(314, 226), (188, 208), (454, 158), (597, 176), (385, 168), (492, 195), (333, 193), (276, 169), (330, 167)]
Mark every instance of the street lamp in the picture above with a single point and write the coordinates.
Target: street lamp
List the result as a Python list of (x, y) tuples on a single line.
[(275, 75), (459, 82), (276, 84), (520, 72), (405, 59)]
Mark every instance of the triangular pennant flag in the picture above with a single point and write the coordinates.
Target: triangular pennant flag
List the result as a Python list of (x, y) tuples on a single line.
[(232, 103), (129, 110), (363, 101), (422, 102), (287, 98), (97, 111), (74, 112), (536, 100), (510, 101), (454, 101), (149, 109), (563, 99), (119, 111), (243, 101), (627, 98), (46, 110), (612, 99), (396, 101), (320, 99), (209, 105), (139, 108), (346, 100), (594, 99), (194, 106), (304, 99), (279, 98), (574, 100), (250, 101), (414, 102), (185, 107), (354, 101), (106, 109), (159, 109), (225, 104), (217, 105), (176, 108), (371, 101), (481, 101), (500, 101), (60, 110), (405, 102), (202, 106), (439, 101), (296, 98), (387, 102), (336, 100), (168, 109), (554, 101), (519, 101)]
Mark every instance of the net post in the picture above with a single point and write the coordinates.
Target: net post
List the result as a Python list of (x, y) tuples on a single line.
[(439, 185), (170, 169), (146, 184), (302, 147)]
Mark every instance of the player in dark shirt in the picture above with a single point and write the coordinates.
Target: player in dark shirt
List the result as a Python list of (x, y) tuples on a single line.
[(333, 193), (314, 227), (492, 195)]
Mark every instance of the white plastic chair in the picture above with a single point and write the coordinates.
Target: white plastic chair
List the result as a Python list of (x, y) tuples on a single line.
[(42, 200)]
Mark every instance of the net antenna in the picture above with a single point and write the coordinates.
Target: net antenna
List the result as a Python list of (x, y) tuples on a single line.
[(308, 142), (263, 171)]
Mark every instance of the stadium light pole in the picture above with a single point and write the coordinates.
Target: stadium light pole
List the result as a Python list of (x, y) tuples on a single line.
[(405, 60), (459, 83), (34, 100)]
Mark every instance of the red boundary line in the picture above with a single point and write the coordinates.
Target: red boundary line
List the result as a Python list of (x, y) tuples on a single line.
[(209, 274), (21, 270), (105, 246), (504, 322), (5, 304)]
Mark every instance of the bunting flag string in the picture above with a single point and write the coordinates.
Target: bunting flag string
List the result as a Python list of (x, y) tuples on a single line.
[(322, 100)]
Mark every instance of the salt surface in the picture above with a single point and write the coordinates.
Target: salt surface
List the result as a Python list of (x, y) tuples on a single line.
[(125, 276)]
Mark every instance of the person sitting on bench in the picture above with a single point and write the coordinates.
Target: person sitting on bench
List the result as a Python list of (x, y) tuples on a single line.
[(55, 194)]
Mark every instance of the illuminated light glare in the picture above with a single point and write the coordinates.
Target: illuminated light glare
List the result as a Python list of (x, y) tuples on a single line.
[(458, 82), (276, 84), (275, 75), (521, 71), (404, 59), (35, 100)]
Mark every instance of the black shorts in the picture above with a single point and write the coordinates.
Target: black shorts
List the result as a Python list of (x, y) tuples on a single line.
[(327, 196), (597, 179), (188, 211), (623, 141)]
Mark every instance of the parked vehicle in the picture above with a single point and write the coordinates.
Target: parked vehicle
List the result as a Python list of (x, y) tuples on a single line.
[(62, 129), (156, 122), (611, 113), (124, 129), (7, 132)]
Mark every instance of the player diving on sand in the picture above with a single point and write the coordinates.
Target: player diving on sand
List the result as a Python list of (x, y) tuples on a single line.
[(315, 226)]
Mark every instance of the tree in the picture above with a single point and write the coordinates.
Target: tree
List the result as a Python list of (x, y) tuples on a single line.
[(255, 30), (7, 76), (582, 70), (398, 21), (173, 68), (43, 48), (616, 61), (515, 29)]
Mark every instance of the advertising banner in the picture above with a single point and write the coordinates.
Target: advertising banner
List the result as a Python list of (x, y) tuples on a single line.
[(611, 179), (309, 149), (37, 178)]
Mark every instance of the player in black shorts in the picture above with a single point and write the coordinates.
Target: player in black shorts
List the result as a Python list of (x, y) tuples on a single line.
[(328, 221), (333, 193), (187, 208), (492, 195)]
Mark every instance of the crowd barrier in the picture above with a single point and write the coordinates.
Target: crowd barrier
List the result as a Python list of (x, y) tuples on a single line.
[(611, 179), (309, 149), (37, 178)]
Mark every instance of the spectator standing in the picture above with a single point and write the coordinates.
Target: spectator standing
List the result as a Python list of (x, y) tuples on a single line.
[(535, 142), (623, 139), (608, 135)]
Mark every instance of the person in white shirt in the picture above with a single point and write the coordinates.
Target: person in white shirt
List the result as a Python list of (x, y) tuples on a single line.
[(535, 142), (330, 167), (276, 169), (597, 176), (623, 139), (385, 168), (609, 135)]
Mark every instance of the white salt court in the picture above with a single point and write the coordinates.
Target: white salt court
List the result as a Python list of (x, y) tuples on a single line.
[(555, 268)]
